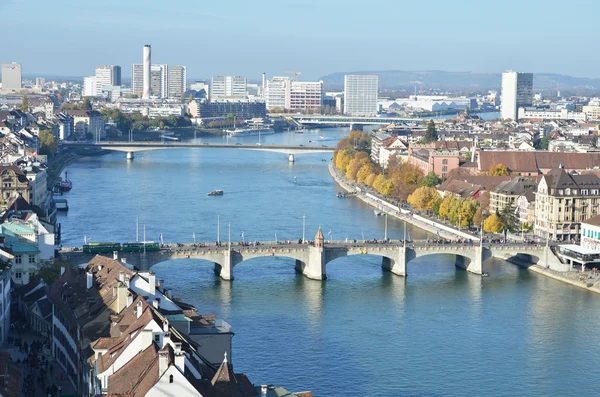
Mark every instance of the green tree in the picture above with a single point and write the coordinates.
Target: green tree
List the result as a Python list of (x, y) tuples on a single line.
[(49, 271), (24, 104), (87, 104), (544, 142), (509, 218), (430, 180), (493, 224), (47, 142), (468, 209), (431, 134), (479, 216)]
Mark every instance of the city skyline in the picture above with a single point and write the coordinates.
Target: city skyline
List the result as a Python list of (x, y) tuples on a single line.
[(478, 38)]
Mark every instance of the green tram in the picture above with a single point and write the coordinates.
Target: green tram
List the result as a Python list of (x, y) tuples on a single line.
[(151, 246), (101, 248), (105, 248)]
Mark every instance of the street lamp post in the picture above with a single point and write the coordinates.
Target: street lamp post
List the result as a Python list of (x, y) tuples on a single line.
[(385, 232), (303, 228)]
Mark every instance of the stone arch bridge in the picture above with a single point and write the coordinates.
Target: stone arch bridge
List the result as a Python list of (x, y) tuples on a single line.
[(312, 260)]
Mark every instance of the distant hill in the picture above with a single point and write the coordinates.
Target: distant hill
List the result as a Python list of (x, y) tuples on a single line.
[(400, 79)]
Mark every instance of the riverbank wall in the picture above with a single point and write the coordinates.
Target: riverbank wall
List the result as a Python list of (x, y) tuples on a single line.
[(388, 208), (577, 279)]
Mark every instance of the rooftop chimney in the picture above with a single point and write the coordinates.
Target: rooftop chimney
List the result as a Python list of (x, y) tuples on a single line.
[(138, 309), (166, 326), (155, 303), (89, 280), (116, 255), (151, 283), (163, 361), (121, 276), (179, 357)]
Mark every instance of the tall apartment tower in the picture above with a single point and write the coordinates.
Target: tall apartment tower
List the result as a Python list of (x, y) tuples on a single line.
[(146, 72), (177, 81), (227, 87), (517, 91), (11, 76), (360, 94)]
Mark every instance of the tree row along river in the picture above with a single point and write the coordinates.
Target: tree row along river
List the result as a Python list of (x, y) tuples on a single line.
[(439, 331)]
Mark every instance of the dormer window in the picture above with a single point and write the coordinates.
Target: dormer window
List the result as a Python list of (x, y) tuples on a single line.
[(170, 378), (567, 191)]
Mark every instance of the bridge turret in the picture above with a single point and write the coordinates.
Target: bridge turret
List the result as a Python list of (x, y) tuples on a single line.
[(319, 238)]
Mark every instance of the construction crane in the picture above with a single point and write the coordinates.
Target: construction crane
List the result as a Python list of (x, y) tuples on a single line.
[(296, 74)]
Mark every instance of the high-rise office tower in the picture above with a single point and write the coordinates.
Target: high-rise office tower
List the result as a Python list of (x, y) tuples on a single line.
[(177, 81), (517, 91), (159, 80), (90, 86), (147, 71), (107, 76), (137, 79), (227, 87), (360, 94), (11, 76)]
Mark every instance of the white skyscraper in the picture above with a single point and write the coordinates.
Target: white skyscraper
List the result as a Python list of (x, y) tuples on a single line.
[(517, 91), (11, 76), (360, 94), (177, 81), (227, 87), (146, 73)]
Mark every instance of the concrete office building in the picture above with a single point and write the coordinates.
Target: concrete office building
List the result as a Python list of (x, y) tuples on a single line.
[(11, 76), (227, 87), (176, 81), (137, 79), (306, 96), (107, 76), (360, 94), (277, 93), (146, 72), (89, 86), (159, 83), (517, 92)]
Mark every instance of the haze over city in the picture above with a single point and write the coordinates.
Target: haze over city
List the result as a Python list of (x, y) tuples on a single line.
[(312, 36)]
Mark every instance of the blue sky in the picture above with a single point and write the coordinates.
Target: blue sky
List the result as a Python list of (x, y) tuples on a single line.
[(316, 37)]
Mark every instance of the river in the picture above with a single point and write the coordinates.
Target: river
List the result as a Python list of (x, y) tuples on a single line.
[(438, 332)]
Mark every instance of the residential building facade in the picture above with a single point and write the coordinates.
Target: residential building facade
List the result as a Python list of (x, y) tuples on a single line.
[(14, 184), (107, 76), (360, 94), (221, 108), (505, 195), (306, 96), (441, 162), (563, 201)]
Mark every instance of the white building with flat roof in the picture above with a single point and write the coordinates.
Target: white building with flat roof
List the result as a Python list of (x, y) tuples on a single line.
[(227, 87), (89, 86), (277, 93), (177, 80), (107, 76), (306, 96), (137, 79), (360, 94), (517, 92), (11, 76)]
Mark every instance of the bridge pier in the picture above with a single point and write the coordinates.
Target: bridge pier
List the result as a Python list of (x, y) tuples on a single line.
[(291, 158), (314, 267), (130, 156), (225, 268), (396, 265)]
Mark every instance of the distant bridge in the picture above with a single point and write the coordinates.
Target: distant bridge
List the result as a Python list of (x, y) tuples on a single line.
[(347, 120), (311, 260), (131, 147)]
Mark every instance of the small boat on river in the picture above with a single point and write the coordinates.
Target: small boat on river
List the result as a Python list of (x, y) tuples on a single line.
[(66, 184), (216, 193), (378, 213)]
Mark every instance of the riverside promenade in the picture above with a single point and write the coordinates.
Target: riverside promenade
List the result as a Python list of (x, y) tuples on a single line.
[(429, 225)]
